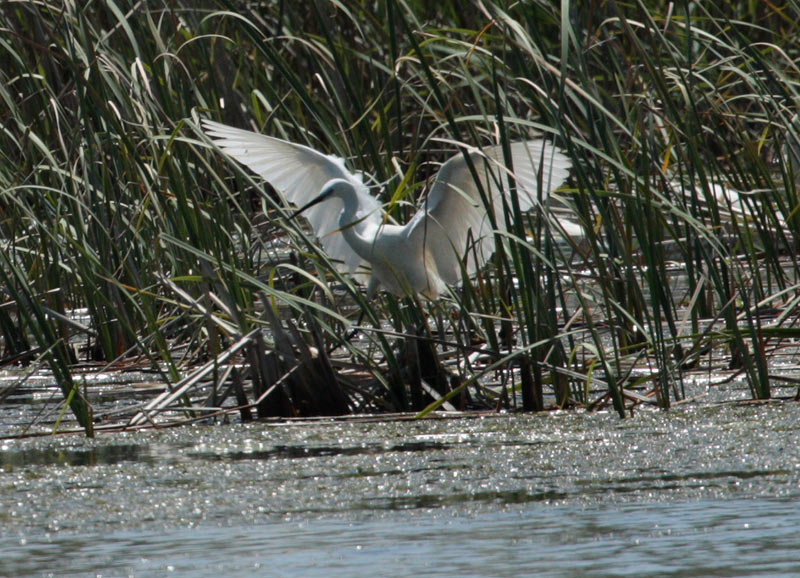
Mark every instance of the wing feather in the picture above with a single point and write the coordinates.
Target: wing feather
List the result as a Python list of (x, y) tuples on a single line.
[(454, 223), (299, 173)]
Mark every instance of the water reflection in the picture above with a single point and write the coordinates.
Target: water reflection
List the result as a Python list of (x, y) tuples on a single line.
[(101, 455), (114, 454), (306, 451)]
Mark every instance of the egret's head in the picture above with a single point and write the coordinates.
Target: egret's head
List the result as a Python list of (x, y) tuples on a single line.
[(341, 188), (332, 188)]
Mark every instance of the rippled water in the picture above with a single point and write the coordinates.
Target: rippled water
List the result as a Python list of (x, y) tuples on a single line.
[(706, 491)]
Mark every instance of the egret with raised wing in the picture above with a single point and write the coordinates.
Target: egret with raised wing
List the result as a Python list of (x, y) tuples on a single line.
[(451, 233)]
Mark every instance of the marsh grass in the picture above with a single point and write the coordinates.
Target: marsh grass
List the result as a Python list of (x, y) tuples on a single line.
[(114, 203)]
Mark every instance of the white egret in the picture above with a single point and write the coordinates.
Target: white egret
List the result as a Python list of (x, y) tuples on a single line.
[(450, 232)]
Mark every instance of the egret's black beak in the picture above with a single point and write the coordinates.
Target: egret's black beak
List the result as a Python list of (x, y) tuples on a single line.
[(322, 196)]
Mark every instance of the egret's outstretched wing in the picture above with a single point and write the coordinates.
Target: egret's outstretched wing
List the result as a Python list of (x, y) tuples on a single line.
[(453, 222), (299, 173)]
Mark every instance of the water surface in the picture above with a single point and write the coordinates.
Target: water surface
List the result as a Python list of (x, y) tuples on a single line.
[(702, 491)]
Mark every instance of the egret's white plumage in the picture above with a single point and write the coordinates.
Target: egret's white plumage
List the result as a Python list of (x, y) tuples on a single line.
[(451, 230)]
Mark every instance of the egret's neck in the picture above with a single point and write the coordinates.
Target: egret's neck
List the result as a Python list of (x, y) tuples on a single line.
[(348, 216), (360, 233)]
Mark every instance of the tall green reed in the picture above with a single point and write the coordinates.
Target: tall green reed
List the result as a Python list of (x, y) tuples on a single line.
[(113, 202)]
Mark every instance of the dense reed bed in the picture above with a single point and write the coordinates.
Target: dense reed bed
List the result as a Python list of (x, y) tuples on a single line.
[(129, 242)]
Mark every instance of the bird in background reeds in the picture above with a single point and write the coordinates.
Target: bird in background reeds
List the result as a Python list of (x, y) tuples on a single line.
[(452, 232)]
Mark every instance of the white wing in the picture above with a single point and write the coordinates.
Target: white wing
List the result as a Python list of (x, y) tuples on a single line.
[(299, 173), (454, 224)]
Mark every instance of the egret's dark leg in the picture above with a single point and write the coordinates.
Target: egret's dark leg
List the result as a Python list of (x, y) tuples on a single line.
[(371, 289)]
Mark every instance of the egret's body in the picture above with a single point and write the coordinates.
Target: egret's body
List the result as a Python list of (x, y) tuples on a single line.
[(398, 258), (451, 232)]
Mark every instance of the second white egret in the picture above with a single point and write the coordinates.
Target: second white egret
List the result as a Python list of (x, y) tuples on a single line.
[(450, 233)]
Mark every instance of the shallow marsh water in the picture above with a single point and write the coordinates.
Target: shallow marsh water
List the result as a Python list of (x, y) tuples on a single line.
[(698, 491)]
